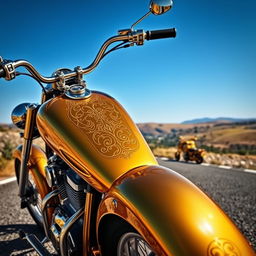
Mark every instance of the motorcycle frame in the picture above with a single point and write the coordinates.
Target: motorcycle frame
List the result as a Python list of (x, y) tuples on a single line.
[(128, 197), (117, 202)]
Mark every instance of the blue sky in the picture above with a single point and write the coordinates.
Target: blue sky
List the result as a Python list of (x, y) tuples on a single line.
[(209, 69)]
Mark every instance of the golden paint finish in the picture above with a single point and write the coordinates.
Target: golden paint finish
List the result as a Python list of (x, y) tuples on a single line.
[(222, 247), (95, 136), (104, 126), (174, 216), (36, 165), (115, 204)]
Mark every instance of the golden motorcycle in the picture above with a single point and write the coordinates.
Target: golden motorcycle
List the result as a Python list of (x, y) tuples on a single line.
[(96, 188), (189, 151)]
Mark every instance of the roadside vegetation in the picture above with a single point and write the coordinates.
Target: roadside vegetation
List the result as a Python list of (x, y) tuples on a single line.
[(9, 139), (231, 144), (227, 159)]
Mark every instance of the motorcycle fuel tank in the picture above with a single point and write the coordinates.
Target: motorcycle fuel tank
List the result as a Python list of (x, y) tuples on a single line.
[(95, 136)]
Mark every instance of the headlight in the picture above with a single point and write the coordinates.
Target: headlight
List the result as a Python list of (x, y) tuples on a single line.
[(19, 115)]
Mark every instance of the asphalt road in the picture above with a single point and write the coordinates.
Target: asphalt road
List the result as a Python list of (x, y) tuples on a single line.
[(233, 190)]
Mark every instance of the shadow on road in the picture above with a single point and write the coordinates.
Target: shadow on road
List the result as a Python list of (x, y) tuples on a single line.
[(13, 245)]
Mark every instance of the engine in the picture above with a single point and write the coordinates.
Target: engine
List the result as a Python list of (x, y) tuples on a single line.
[(71, 199)]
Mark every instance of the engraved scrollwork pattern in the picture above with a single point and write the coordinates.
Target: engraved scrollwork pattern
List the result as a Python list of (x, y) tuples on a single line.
[(222, 247), (104, 126)]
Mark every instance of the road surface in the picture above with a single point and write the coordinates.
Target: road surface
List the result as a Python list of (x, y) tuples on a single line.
[(233, 190)]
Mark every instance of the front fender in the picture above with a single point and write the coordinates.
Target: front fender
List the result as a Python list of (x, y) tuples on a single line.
[(173, 215), (36, 164)]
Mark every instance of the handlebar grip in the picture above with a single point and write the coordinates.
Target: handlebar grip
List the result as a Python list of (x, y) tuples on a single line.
[(158, 34), (2, 72)]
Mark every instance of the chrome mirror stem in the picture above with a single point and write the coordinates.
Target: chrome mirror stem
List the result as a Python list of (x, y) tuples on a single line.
[(138, 21)]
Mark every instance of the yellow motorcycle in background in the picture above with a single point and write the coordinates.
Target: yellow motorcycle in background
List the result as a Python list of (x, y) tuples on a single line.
[(189, 150), (96, 189)]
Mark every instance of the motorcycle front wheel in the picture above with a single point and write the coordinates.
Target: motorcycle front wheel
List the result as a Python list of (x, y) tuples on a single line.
[(199, 159), (35, 200), (120, 239), (133, 244)]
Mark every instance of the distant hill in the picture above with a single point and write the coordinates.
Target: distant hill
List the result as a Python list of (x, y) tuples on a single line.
[(237, 136), (217, 120), (160, 129)]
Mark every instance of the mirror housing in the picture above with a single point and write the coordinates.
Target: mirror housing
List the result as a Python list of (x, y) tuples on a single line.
[(158, 7)]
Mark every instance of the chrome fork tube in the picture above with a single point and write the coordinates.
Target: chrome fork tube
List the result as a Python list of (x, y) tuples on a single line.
[(65, 230), (28, 137), (45, 202)]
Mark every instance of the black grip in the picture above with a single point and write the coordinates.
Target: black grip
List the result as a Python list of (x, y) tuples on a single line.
[(158, 34), (2, 72)]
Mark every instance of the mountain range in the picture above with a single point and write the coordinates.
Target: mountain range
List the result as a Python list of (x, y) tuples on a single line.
[(217, 120)]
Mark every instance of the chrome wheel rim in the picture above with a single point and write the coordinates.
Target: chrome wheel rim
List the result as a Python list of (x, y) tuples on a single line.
[(132, 244)]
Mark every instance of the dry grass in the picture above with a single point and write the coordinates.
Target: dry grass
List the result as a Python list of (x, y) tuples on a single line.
[(8, 169), (234, 135), (165, 152), (234, 160), (7, 166)]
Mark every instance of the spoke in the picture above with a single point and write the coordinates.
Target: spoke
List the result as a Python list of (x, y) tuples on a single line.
[(127, 249), (134, 245), (142, 248)]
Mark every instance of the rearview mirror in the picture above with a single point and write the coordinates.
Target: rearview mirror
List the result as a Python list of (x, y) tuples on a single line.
[(158, 7)]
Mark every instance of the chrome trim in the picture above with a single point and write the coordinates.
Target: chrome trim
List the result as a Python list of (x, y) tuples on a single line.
[(23, 178), (158, 7), (139, 20), (55, 232), (78, 92), (74, 185), (102, 51), (28, 137), (88, 69), (19, 115), (60, 219), (45, 201), (133, 244), (37, 245), (9, 68), (65, 230), (34, 72), (44, 240), (49, 175), (79, 72)]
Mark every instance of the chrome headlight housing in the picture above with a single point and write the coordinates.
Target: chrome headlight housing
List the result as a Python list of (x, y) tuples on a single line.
[(19, 115)]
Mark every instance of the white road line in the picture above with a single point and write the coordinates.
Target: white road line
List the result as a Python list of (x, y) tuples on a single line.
[(164, 158), (250, 171), (224, 167), (219, 166), (9, 180)]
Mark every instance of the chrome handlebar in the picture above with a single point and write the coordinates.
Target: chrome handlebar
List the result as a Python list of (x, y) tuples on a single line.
[(8, 68)]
